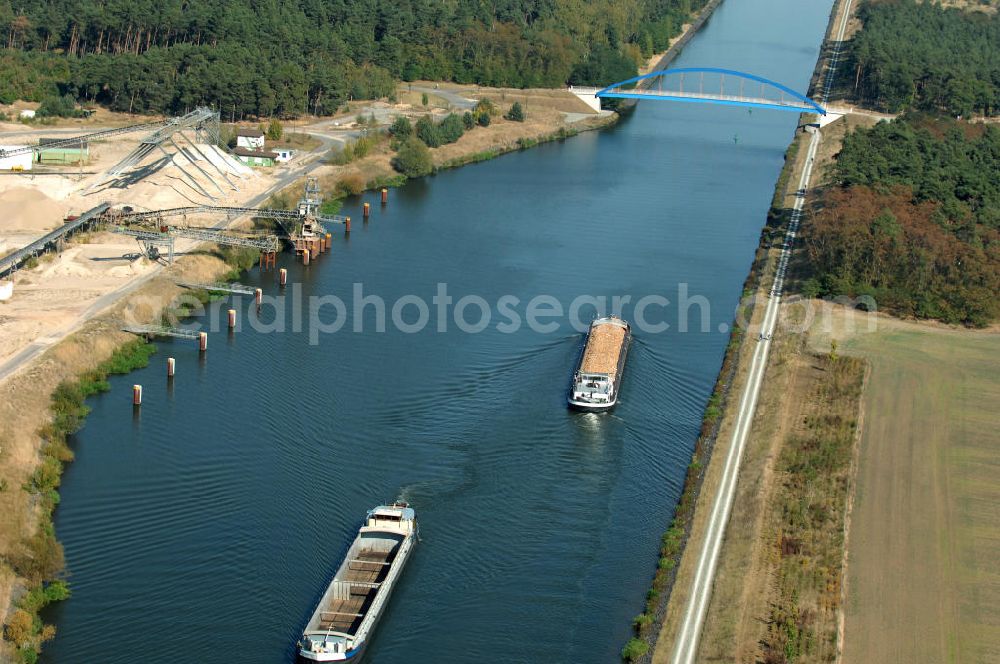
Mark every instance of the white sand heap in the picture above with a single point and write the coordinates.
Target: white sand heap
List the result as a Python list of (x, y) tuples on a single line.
[(215, 159), (27, 208)]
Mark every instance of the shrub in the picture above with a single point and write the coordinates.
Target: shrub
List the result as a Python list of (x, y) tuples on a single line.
[(451, 129), (516, 113), (642, 622), (61, 107), (485, 107), (484, 120), (401, 128), (413, 158), (359, 148), (20, 628), (240, 258), (634, 649), (468, 120), (274, 130), (428, 132), (351, 185), (423, 99), (330, 206)]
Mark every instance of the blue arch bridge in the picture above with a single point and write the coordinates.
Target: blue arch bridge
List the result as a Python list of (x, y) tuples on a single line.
[(709, 85)]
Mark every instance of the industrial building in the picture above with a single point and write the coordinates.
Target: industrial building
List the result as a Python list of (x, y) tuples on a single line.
[(250, 139), (61, 153), (255, 157)]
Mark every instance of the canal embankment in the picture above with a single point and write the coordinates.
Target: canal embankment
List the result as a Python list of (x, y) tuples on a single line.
[(40, 407), (745, 580)]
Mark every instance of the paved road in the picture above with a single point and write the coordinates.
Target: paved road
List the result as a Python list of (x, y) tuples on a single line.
[(686, 646)]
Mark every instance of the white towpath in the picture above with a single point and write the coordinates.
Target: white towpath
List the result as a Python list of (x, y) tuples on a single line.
[(686, 646)]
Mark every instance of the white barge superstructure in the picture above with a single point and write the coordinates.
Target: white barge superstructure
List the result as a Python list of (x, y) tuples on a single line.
[(350, 608), (598, 377)]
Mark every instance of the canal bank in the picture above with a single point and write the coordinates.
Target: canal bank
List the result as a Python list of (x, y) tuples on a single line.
[(553, 232), (658, 628)]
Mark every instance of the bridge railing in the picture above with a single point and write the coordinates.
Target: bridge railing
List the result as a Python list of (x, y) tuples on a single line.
[(712, 85)]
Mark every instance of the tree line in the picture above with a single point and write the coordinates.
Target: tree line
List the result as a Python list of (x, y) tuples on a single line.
[(912, 219), (919, 55), (271, 57)]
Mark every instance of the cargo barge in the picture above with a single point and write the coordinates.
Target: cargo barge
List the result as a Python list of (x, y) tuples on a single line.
[(598, 377), (345, 617)]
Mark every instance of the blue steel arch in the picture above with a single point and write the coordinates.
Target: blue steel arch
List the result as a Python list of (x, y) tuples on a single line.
[(609, 91)]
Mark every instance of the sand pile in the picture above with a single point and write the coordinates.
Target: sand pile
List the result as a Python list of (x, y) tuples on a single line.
[(29, 209)]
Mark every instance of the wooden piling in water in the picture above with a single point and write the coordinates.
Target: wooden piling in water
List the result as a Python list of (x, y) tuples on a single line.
[(305, 257), (137, 395), (203, 341), (367, 210), (170, 367), (232, 318), (385, 195), (282, 277)]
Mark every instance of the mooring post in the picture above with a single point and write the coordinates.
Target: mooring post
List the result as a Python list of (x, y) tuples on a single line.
[(170, 367), (202, 341), (137, 395)]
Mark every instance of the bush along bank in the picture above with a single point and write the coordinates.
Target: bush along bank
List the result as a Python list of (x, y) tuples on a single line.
[(523, 143), (40, 559), (647, 624)]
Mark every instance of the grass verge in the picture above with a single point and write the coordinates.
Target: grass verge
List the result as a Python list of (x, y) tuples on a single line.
[(808, 508)]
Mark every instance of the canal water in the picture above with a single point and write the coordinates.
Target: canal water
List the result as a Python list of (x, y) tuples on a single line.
[(206, 527)]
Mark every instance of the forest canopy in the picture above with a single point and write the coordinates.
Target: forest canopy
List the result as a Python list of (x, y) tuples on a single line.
[(287, 57), (913, 220), (921, 56)]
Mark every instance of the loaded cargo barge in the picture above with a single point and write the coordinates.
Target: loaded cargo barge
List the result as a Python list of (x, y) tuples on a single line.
[(345, 617), (598, 377)]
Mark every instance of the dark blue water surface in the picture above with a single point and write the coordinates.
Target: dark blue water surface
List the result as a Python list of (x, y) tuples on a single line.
[(205, 528)]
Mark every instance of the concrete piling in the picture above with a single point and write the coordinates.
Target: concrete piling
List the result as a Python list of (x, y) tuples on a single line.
[(137, 395), (282, 277), (170, 367), (203, 341)]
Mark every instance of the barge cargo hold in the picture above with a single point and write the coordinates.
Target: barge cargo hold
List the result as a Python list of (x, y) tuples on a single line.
[(345, 617), (598, 377)]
